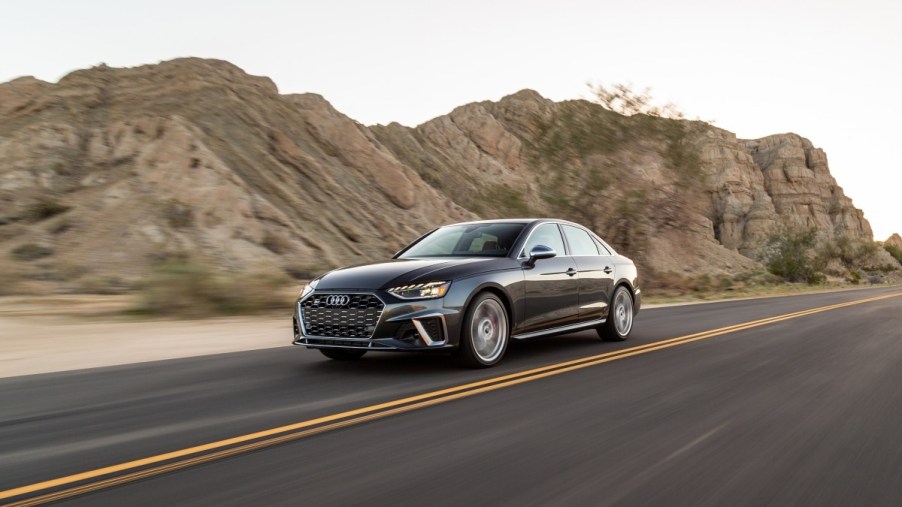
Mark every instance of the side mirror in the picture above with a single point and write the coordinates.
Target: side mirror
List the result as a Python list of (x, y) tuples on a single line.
[(541, 252)]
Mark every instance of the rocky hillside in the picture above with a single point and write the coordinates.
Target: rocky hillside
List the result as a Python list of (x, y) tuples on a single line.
[(111, 170), (681, 196)]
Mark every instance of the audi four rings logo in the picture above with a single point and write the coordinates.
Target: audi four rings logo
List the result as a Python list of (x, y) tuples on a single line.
[(336, 300)]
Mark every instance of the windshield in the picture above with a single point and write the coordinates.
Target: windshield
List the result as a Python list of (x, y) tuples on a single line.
[(475, 240)]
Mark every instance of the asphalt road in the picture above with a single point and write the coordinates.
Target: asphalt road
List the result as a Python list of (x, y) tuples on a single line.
[(806, 410)]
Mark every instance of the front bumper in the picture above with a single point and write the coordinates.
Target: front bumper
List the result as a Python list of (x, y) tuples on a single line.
[(402, 325)]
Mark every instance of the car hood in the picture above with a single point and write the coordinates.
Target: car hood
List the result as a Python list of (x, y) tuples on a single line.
[(396, 272)]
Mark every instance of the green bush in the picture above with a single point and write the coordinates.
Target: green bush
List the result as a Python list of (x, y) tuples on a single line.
[(850, 252), (795, 256), (895, 251), (789, 256)]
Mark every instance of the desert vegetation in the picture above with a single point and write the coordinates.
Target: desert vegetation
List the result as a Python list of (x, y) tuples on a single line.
[(192, 288), (45, 208), (800, 256), (30, 252), (895, 251)]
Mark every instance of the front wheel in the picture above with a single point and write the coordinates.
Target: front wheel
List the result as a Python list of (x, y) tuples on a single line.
[(620, 317), (343, 354), (485, 332)]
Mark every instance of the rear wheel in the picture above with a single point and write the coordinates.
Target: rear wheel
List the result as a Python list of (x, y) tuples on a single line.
[(343, 354), (485, 332), (620, 317)]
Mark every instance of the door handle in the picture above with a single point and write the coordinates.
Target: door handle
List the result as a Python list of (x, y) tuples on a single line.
[(571, 272), (608, 270)]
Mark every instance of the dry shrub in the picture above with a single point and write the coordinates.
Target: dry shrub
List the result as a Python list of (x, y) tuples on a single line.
[(276, 243), (304, 271), (178, 214), (670, 284), (44, 209), (60, 226), (70, 270), (101, 284), (194, 289), (31, 251), (10, 281)]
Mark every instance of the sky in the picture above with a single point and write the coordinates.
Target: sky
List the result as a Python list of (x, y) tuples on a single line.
[(828, 70)]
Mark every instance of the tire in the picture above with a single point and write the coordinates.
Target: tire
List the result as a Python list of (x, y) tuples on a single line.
[(485, 333), (343, 354), (620, 319)]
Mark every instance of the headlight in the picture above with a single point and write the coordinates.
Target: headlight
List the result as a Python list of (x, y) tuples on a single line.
[(429, 290), (308, 288)]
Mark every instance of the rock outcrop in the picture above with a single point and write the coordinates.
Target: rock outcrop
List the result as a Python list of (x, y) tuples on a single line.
[(111, 170), (780, 180)]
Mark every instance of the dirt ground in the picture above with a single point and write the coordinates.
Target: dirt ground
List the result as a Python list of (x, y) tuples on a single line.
[(59, 334)]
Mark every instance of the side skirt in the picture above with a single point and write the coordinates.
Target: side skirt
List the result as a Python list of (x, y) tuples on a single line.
[(558, 330)]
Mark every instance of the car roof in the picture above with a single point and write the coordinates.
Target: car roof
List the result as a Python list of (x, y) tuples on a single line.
[(512, 221)]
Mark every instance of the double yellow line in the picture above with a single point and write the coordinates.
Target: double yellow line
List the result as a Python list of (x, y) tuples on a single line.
[(76, 484)]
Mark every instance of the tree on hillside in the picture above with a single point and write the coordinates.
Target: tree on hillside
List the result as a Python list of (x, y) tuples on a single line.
[(622, 99)]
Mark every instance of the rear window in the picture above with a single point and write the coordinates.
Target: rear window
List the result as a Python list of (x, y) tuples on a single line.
[(603, 250)]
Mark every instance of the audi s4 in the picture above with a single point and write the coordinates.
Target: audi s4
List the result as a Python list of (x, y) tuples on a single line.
[(470, 288)]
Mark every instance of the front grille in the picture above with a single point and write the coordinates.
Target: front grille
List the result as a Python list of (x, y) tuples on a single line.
[(356, 318)]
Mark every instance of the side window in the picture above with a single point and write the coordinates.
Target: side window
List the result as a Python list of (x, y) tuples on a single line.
[(580, 241), (603, 250), (548, 235)]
